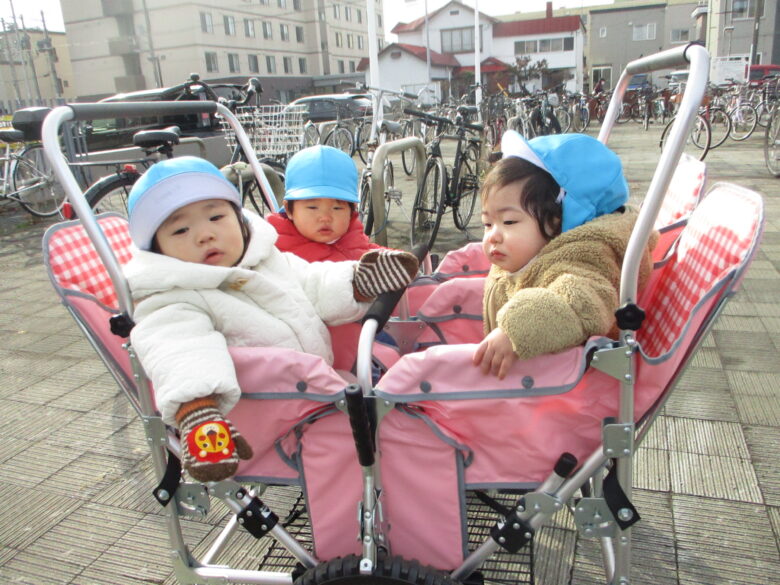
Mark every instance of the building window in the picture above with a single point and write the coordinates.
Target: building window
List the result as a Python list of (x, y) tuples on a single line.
[(603, 32), (265, 2), (297, 5), (568, 43), (341, 66), (348, 13), (249, 27), (211, 62), (360, 41), (604, 73), (526, 47), (359, 15), (302, 64), (336, 11), (351, 66), (339, 39), (457, 40), (643, 32), (233, 64), (268, 31), (281, 3), (350, 41), (206, 24), (284, 32), (379, 20), (287, 64), (270, 63), (746, 8), (230, 25), (299, 34), (254, 64), (680, 35)]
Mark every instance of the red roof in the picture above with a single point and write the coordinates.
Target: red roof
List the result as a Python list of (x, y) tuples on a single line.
[(416, 51), (556, 24), (404, 27), (489, 65)]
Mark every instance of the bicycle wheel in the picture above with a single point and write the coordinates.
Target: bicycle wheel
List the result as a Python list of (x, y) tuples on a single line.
[(342, 139), (720, 126), (110, 193), (36, 188), (429, 204), (764, 111), (580, 119), (490, 135), (388, 571), (467, 187), (564, 119), (407, 156), (361, 139), (772, 143), (365, 207), (697, 143), (311, 135), (624, 115), (744, 119)]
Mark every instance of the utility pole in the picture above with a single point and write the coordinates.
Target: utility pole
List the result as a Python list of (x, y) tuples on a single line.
[(27, 45), (477, 62), (754, 45), (152, 56), (427, 47), (50, 50), (11, 62), (21, 52)]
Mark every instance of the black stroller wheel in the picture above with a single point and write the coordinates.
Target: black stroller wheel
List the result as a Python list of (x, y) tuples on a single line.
[(388, 571)]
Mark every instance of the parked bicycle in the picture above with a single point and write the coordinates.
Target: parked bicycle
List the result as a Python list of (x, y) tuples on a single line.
[(443, 186), (772, 142), (27, 177)]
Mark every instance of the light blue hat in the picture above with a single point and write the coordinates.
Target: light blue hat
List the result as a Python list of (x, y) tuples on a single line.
[(168, 186), (589, 174), (321, 171)]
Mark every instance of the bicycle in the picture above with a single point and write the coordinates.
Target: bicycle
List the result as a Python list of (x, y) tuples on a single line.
[(699, 139), (341, 135), (442, 186), (772, 142), (28, 178)]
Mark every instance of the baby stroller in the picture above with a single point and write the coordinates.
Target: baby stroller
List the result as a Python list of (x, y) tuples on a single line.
[(386, 470)]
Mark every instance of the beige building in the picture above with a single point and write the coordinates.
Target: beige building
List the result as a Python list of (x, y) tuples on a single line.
[(293, 46), (35, 68)]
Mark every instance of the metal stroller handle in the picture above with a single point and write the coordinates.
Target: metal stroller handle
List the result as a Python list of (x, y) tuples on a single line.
[(360, 424)]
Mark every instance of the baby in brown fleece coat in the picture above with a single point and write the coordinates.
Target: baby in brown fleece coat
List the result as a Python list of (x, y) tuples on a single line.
[(556, 231)]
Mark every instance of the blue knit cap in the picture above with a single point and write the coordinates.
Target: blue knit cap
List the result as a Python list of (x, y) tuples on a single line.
[(321, 171), (590, 174), (170, 185)]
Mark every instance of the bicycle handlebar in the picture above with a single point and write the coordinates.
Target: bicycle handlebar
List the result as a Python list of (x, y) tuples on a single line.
[(431, 117)]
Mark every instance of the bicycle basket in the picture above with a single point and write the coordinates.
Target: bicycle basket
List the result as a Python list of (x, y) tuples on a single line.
[(274, 130)]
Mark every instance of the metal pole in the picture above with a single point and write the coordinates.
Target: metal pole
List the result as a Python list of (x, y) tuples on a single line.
[(152, 56), (50, 50), (754, 45), (477, 62), (21, 53), (32, 60), (11, 61), (373, 48), (427, 46)]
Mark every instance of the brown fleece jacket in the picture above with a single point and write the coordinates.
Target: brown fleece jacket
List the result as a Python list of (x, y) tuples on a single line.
[(568, 292)]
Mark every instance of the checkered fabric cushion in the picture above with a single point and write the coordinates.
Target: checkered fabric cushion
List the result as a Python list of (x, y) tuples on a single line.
[(75, 264), (684, 191), (718, 240)]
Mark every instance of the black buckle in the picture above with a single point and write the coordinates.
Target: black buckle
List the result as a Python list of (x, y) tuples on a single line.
[(629, 316), (121, 325)]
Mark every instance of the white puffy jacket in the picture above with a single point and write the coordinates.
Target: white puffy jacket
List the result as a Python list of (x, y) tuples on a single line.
[(187, 314)]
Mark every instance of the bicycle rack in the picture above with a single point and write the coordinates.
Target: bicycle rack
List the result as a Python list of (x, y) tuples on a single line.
[(378, 179)]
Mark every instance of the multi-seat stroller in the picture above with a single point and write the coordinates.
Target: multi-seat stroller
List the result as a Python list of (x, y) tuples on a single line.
[(435, 471)]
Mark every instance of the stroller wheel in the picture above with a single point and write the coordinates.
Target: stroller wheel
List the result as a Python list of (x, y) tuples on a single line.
[(388, 571)]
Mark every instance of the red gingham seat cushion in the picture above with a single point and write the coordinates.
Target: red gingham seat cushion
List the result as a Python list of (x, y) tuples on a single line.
[(719, 237), (684, 191), (75, 264)]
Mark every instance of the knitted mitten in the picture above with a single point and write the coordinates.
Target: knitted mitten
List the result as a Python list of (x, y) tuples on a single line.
[(211, 446), (380, 271)]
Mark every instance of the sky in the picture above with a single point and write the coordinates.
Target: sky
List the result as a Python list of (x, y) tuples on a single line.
[(395, 11)]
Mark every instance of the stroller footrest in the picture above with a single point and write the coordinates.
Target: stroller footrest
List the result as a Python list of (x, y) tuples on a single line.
[(257, 518), (513, 533)]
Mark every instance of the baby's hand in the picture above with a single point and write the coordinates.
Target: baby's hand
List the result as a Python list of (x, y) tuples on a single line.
[(496, 354)]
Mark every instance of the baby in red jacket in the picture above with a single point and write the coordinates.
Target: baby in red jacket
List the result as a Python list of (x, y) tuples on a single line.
[(319, 220)]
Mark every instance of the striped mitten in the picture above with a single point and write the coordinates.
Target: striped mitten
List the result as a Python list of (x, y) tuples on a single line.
[(380, 271), (211, 446)]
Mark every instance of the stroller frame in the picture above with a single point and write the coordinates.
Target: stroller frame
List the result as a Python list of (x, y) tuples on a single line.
[(593, 515)]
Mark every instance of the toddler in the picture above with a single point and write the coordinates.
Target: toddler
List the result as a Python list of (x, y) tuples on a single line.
[(205, 275), (556, 230), (319, 220)]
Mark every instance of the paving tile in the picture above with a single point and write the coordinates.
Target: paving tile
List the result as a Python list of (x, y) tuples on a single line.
[(26, 515), (727, 478), (756, 384), (707, 437)]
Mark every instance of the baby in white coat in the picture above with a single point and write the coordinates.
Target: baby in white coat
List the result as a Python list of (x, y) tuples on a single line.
[(205, 275)]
